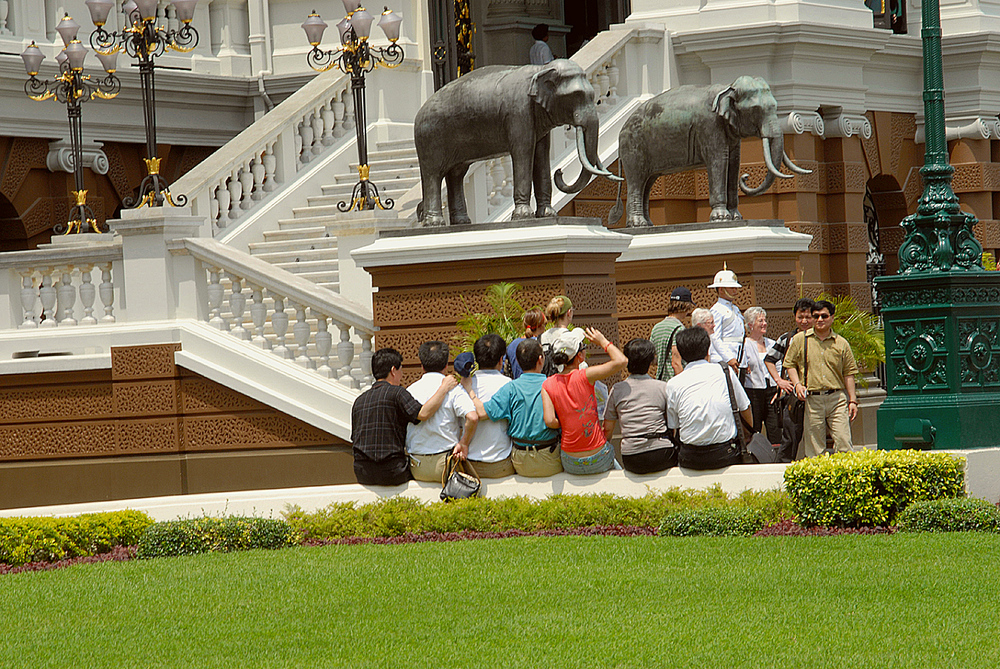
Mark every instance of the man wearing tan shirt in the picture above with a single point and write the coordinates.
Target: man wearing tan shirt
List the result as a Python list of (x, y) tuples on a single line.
[(821, 366)]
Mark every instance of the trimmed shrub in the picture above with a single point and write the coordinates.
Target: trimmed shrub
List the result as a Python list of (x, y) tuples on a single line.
[(399, 516), (24, 540), (870, 488), (964, 514), (202, 535), (717, 522)]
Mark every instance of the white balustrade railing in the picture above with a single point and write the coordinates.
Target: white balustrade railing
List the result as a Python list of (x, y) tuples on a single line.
[(289, 316), (615, 63), (269, 153), (65, 287)]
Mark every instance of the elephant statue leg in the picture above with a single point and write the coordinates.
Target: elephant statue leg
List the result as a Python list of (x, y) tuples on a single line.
[(718, 169), (521, 159), (457, 210), (732, 183), (429, 212), (636, 200), (647, 190), (541, 169)]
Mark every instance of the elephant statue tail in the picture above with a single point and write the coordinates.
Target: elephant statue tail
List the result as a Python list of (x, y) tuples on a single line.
[(619, 207)]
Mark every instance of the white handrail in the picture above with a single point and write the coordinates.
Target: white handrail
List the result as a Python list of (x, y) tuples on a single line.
[(270, 152)]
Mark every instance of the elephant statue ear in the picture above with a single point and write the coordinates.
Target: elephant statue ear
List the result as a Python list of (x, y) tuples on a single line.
[(723, 104), (542, 88)]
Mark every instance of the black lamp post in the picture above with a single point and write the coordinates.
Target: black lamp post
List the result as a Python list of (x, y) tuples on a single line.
[(356, 56), (72, 88), (144, 40)]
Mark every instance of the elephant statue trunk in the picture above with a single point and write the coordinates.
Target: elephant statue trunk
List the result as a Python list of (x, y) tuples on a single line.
[(586, 148)]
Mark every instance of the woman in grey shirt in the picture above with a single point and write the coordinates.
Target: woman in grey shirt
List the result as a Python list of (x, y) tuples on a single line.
[(640, 403)]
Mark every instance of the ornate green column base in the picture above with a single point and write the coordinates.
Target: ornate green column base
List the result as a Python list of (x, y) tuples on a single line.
[(942, 340)]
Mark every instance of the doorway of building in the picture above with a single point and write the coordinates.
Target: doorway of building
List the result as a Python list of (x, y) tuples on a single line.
[(451, 29), (590, 17)]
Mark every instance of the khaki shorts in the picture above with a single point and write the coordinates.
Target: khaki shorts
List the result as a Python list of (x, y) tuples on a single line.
[(536, 463), (429, 468), (493, 470)]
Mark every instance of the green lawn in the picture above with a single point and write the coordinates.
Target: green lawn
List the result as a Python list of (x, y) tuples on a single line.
[(903, 601)]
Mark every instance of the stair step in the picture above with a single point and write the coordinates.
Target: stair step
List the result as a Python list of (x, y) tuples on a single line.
[(321, 278), (344, 190), (395, 144), (389, 154), (308, 264), (380, 166), (382, 176), (297, 257), (304, 245), (317, 232)]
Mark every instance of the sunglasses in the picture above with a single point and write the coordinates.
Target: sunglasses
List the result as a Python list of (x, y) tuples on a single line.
[(821, 317)]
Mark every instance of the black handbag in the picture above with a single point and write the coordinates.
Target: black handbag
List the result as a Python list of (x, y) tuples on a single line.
[(457, 484)]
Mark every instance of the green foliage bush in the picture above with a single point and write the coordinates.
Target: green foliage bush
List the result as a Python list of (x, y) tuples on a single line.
[(950, 515), (714, 522), (401, 515), (202, 535), (24, 540), (870, 488)]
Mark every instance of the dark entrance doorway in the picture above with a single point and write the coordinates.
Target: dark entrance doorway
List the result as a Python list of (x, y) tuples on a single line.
[(590, 17), (451, 39)]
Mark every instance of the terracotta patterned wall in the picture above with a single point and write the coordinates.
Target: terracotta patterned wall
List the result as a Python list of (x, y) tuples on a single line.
[(416, 303), (146, 427)]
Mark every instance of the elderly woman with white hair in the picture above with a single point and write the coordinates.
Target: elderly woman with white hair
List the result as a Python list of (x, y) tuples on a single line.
[(704, 319), (759, 385)]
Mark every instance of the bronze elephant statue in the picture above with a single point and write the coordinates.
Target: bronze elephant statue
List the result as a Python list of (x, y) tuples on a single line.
[(500, 110), (693, 126)]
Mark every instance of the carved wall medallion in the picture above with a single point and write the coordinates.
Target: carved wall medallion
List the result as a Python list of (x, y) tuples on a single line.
[(979, 352), (920, 356)]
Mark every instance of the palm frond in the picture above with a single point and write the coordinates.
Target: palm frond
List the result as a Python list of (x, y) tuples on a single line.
[(503, 317), (860, 328)]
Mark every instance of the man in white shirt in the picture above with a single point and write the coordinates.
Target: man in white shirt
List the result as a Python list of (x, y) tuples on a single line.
[(540, 53), (717, 351), (699, 406), (489, 450), (730, 327), (452, 426)]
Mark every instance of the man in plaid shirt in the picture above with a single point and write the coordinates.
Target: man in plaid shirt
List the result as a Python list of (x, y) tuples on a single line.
[(379, 418), (791, 429)]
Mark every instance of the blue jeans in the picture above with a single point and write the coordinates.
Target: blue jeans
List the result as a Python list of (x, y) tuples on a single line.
[(601, 461)]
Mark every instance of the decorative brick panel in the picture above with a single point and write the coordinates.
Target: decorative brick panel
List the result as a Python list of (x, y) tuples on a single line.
[(145, 398), (143, 362)]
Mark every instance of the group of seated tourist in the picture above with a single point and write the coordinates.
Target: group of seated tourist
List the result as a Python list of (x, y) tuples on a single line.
[(535, 407)]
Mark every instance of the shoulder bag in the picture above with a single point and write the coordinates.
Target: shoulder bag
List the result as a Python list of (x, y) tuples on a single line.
[(457, 484)]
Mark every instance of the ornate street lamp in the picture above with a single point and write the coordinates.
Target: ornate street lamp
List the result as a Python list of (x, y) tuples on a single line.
[(942, 311), (72, 88), (356, 56), (144, 40)]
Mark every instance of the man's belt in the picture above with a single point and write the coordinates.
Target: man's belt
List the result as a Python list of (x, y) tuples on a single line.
[(824, 392), (652, 435), (533, 445)]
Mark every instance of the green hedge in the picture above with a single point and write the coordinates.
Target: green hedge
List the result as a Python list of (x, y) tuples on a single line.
[(870, 488), (24, 540), (401, 515), (715, 522), (203, 535), (950, 515)]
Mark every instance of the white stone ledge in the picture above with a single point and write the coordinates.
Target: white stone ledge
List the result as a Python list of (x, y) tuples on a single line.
[(501, 241), (715, 241), (732, 480)]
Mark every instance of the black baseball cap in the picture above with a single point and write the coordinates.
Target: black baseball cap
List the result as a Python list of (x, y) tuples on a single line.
[(681, 294)]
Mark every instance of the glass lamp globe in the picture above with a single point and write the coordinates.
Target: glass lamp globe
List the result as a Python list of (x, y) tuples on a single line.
[(76, 53), (351, 6), (314, 27), (67, 29), (99, 10), (361, 21), (185, 10), (389, 23), (33, 58)]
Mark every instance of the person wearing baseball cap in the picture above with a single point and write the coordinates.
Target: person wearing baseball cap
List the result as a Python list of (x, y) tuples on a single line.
[(568, 401), (668, 361), (730, 327)]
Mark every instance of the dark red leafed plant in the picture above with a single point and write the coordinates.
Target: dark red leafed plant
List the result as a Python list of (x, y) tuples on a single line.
[(789, 528), (116, 554)]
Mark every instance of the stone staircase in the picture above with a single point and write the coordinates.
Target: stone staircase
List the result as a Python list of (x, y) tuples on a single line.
[(306, 244)]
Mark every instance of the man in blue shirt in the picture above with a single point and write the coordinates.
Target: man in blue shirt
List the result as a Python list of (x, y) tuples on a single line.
[(536, 447)]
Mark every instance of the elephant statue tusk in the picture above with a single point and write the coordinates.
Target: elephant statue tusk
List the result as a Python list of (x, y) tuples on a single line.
[(770, 163), (596, 170), (787, 162)]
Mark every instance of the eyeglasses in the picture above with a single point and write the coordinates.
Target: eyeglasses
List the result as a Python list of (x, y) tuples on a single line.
[(821, 317)]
